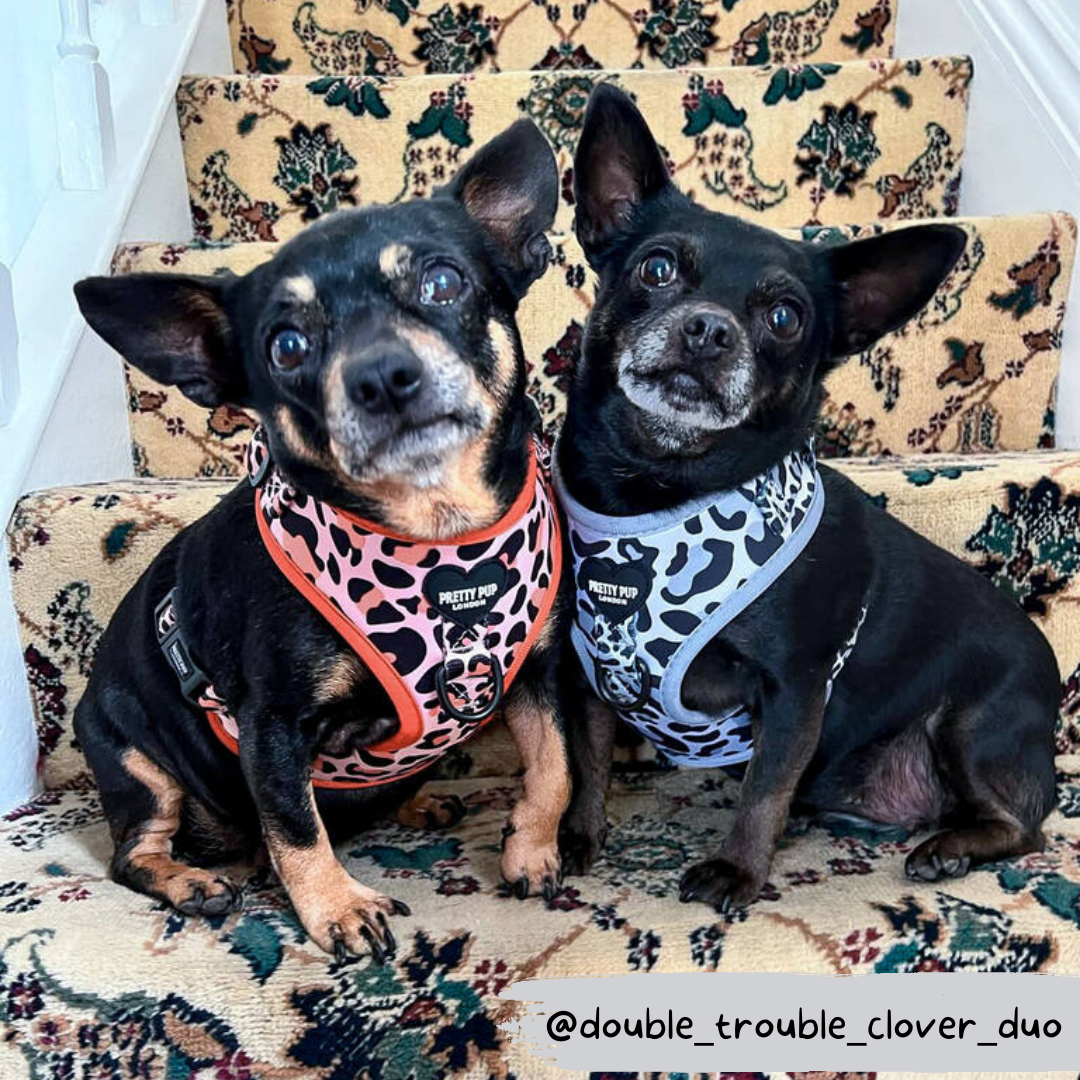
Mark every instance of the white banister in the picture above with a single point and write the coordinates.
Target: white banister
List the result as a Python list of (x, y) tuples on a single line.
[(9, 349), (157, 12), (84, 118)]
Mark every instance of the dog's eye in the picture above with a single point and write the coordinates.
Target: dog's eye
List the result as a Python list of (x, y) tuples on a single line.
[(288, 348), (440, 284), (659, 269), (784, 321)]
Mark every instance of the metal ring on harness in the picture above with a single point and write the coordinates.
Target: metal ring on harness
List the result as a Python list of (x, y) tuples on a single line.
[(605, 693), (460, 714)]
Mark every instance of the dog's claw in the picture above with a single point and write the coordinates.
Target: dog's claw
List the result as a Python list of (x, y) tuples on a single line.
[(400, 907), (341, 952), (377, 952), (388, 935), (549, 890), (522, 887)]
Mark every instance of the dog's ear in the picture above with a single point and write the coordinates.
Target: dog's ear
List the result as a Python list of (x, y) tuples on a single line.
[(617, 166), (171, 326), (510, 187), (883, 282)]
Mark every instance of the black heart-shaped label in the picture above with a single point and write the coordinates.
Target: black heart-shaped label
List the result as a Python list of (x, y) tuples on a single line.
[(466, 597), (616, 589)]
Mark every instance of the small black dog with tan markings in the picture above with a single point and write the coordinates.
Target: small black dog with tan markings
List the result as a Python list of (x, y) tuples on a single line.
[(292, 665), (736, 603)]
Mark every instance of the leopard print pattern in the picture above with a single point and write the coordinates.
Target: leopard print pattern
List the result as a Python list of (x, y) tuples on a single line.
[(373, 588)]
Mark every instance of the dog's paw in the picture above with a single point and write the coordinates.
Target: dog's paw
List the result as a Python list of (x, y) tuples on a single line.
[(431, 811), (350, 918), (529, 868), (579, 847), (198, 892), (721, 884), (939, 858)]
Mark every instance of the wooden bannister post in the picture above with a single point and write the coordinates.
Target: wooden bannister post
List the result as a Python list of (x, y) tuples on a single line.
[(84, 119), (9, 349)]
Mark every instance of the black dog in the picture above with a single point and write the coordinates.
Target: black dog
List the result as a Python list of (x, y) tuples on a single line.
[(380, 350), (702, 370)]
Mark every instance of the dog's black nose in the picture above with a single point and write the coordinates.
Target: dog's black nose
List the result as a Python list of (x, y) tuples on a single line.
[(387, 383), (709, 334)]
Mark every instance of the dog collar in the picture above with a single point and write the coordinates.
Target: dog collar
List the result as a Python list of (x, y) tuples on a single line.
[(444, 627), (654, 589)]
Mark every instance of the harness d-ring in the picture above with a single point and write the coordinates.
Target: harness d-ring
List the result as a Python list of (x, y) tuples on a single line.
[(643, 694), (480, 714)]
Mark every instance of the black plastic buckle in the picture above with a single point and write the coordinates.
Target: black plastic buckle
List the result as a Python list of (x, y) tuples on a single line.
[(173, 645), (460, 714), (604, 691)]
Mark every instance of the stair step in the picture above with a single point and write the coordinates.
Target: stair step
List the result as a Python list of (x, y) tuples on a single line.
[(784, 146), (78, 550), (412, 37), (975, 372)]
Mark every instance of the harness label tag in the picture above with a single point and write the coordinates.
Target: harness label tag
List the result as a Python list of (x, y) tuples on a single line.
[(618, 590), (465, 597)]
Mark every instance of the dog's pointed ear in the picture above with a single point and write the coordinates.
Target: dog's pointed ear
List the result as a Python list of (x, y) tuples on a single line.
[(510, 187), (171, 326), (616, 168), (885, 281)]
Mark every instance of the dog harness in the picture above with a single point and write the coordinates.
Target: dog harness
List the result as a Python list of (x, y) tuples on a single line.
[(444, 627), (654, 589)]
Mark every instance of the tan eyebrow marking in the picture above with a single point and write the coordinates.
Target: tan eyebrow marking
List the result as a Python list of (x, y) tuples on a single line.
[(394, 260), (301, 287)]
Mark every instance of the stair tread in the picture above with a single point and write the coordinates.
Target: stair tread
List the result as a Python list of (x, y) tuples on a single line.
[(971, 372), (266, 155), (392, 37), (77, 550)]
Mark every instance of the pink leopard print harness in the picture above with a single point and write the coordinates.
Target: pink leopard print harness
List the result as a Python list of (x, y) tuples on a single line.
[(444, 627)]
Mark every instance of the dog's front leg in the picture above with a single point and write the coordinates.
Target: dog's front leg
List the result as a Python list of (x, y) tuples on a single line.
[(530, 858), (785, 738), (591, 743), (339, 914)]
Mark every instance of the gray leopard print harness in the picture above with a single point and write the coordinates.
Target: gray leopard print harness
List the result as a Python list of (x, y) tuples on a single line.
[(653, 589)]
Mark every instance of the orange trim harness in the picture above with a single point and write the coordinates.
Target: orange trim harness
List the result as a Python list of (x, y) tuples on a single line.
[(444, 627)]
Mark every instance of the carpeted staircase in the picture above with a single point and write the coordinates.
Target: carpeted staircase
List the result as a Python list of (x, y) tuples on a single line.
[(949, 423)]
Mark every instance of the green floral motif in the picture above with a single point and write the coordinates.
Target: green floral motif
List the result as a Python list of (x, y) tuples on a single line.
[(400, 9), (557, 106), (448, 115), (419, 1018), (838, 149), (793, 82), (725, 146), (456, 41), (1031, 549), (334, 52), (785, 37), (677, 32), (925, 477), (1054, 892), (312, 168), (359, 95), (958, 935), (258, 53)]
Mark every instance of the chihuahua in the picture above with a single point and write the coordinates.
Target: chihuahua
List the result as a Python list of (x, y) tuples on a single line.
[(735, 602), (291, 665)]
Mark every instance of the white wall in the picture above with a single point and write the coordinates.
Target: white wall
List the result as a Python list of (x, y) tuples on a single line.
[(85, 437), (1023, 148)]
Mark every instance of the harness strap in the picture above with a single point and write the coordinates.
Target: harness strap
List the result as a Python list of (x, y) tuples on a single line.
[(174, 646)]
